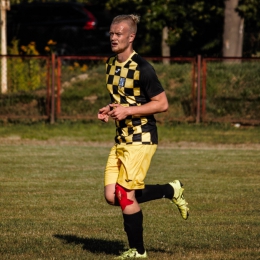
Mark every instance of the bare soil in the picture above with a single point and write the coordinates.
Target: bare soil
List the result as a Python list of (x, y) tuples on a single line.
[(16, 140)]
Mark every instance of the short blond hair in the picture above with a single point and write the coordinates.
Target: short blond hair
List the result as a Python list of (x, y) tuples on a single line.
[(131, 19)]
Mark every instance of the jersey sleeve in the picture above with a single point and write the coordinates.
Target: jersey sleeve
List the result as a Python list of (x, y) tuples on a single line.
[(149, 81)]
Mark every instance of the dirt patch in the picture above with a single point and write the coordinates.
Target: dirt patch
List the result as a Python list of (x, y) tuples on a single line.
[(16, 140), (194, 145)]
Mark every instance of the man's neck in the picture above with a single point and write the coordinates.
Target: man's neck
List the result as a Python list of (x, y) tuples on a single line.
[(122, 57)]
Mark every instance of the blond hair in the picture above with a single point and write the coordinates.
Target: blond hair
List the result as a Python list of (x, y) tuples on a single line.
[(131, 19)]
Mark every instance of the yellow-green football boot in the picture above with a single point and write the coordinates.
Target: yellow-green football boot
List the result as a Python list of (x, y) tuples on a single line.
[(178, 199), (131, 254)]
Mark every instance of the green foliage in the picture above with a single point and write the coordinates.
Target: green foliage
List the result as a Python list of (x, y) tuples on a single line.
[(189, 23), (250, 11), (233, 89), (84, 88), (195, 26), (25, 74), (23, 104), (88, 95)]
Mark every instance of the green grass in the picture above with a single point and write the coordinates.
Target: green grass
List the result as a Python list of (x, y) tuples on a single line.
[(101, 132), (52, 204)]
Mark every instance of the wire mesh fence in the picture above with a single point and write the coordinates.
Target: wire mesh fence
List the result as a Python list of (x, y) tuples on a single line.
[(82, 90), (55, 88), (231, 90), (25, 81)]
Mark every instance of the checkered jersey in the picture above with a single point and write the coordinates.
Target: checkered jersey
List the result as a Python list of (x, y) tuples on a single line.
[(133, 83)]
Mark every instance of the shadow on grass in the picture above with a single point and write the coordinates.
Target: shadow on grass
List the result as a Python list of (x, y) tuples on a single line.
[(93, 245)]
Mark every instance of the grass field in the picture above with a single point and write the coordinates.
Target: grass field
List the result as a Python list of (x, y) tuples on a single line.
[(100, 132), (52, 205)]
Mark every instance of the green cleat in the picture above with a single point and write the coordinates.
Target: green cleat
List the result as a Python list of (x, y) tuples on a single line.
[(131, 253), (178, 199)]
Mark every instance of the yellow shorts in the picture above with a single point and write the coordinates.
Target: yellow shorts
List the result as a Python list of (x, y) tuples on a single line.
[(127, 165)]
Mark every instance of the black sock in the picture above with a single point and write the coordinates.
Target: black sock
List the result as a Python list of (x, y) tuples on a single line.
[(154, 192), (133, 225)]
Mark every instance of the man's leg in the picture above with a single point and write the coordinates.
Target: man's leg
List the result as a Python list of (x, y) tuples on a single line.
[(133, 222), (110, 195), (132, 214), (154, 192), (172, 191)]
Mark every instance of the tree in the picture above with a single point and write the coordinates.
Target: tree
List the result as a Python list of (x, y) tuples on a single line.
[(4, 6), (190, 27), (233, 30), (250, 11), (188, 24)]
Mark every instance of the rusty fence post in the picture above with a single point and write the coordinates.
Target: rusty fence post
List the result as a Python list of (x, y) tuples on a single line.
[(58, 105), (198, 88), (53, 89), (48, 89), (193, 88), (204, 93)]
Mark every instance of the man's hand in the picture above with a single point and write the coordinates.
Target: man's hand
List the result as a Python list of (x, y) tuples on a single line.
[(119, 112), (103, 113)]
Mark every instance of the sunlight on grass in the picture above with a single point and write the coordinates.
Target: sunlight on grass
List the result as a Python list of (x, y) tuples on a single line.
[(101, 132), (52, 204)]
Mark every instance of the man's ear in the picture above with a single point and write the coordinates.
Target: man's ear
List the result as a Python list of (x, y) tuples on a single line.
[(131, 37)]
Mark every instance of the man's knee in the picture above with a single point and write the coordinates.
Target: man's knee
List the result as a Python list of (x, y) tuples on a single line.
[(109, 194), (121, 194), (110, 198)]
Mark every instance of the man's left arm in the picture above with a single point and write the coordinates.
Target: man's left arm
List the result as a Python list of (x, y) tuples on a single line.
[(157, 104)]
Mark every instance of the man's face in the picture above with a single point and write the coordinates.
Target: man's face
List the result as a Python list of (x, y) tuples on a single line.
[(120, 37)]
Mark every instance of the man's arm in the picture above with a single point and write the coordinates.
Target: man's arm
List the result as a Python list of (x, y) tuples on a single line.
[(158, 104)]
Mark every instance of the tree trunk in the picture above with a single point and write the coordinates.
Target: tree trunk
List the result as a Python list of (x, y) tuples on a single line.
[(5, 5), (166, 51), (233, 30)]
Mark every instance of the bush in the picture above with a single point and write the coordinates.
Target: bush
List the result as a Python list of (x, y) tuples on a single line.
[(25, 74), (232, 89)]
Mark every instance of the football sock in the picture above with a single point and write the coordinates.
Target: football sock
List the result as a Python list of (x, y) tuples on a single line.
[(133, 225), (154, 192)]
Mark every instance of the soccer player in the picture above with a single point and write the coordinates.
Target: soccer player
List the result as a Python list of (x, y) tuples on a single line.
[(136, 95)]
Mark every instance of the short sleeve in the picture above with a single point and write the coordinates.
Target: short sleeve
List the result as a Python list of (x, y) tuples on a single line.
[(149, 81)]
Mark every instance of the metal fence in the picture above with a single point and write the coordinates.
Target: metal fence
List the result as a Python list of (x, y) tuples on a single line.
[(230, 90), (65, 61), (201, 89), (25, 87)]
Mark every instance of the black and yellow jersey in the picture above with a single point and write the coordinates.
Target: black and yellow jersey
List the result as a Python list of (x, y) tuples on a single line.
[(133, 83)]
